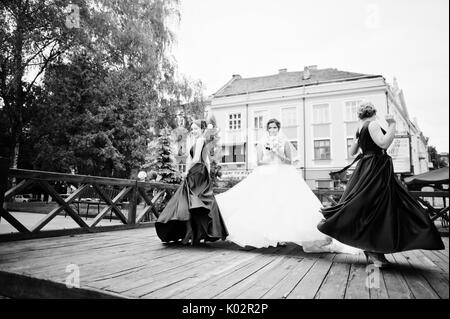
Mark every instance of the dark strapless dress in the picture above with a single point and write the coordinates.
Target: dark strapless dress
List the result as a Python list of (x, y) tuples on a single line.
[(194, 200), (376, 213)]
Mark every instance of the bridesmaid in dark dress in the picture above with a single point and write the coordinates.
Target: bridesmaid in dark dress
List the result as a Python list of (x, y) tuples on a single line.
[(376, 213), (192, 213)]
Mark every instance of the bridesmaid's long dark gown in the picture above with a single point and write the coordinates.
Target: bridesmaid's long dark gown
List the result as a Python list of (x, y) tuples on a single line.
[(193, 201), (376, 213)]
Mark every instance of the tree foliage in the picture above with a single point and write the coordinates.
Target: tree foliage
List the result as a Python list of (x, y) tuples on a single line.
[(435, 159), (160, 161), (88, 99)]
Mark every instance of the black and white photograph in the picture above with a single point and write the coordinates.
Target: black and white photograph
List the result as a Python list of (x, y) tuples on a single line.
[(224, 158)]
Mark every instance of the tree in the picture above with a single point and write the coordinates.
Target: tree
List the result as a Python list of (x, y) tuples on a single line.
[(435, 158), (87, 99), (32, 35), (433, 155), (189, 95), (160, 159), (94, 120)]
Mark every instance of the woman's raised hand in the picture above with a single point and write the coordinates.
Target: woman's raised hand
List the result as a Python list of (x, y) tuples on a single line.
[(390, 119)]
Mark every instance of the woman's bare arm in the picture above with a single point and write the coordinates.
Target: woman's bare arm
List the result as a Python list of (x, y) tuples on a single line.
[(198, 150), (285, 155), (382, 140), (355, 147)]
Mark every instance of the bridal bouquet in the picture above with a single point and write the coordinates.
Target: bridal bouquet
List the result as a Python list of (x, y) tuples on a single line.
[(273, 144)]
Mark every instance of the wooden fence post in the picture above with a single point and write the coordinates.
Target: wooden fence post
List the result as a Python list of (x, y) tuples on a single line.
[(133, 205), (4, 168)]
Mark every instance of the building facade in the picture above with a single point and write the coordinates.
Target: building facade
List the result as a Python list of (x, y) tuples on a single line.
[(317, 111)]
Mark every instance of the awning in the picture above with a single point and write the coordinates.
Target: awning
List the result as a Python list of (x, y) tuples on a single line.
[(438, 176)]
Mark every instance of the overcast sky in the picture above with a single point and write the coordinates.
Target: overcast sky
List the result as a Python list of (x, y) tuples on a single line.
[(407, 39)]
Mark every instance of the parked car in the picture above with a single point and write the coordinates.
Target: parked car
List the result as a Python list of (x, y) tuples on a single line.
[(24, 198)]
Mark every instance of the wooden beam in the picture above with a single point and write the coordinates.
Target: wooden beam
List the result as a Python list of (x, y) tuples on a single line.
[(77, 193), (429, 194), (16, 189), (116, 199), (11, 220), (150, 202), (69, 232), (152, 185), (442, 214), (111, 203), (132, 207), (63, 205), (83, 179)]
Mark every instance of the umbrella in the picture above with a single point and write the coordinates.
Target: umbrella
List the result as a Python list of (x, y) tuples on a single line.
[(438, 176)]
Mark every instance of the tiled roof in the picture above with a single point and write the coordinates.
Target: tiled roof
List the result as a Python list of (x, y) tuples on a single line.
[(284, 80)]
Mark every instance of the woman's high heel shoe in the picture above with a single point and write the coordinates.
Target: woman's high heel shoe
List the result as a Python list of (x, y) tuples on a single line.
[(378, 260), (189, 234), (187, 238)]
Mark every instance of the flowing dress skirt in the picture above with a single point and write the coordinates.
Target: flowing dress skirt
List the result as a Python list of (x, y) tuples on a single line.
[(376, 213), (274, 204), (194, 200)]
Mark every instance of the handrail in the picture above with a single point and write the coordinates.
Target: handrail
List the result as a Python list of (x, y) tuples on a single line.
[(125, 191)]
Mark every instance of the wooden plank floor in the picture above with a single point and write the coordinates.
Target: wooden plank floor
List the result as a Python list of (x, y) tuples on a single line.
[(135, 264)]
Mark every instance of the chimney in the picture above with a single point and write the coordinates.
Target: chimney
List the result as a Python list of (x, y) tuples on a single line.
[(237, 76), (395, 84), (306, 73), (282, 71)]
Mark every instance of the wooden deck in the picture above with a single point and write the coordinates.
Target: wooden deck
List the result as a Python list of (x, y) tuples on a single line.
[(135, 264)]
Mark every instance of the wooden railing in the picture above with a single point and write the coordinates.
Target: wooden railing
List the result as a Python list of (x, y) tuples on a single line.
[(121, 198), (434, 210), (129, 193)]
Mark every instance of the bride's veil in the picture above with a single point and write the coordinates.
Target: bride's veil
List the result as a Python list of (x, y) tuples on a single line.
[(293, 150)]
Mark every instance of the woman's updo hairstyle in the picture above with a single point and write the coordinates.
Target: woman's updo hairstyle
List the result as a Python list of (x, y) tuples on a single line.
[(366, 110), (277, 123)]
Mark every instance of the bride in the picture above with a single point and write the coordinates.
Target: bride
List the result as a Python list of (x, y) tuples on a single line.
[(273, 204)]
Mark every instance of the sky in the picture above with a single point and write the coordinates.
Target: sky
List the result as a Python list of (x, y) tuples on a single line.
[(406, 39)]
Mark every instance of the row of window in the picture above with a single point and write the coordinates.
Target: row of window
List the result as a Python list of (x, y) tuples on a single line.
[(321, 115), (236, 153)]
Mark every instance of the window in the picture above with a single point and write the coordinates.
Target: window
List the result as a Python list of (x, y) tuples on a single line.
[(259, 124), (321, 114), (289, 116), (323, 184), (322, 150), (259, 119), (349, 145), (233, 153), (234, 121), (351, 111)]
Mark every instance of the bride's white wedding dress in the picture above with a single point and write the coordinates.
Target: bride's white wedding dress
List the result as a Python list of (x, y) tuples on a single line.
[(274, 204)]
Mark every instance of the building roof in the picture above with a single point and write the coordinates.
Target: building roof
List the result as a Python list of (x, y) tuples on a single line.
[(284, 80)]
